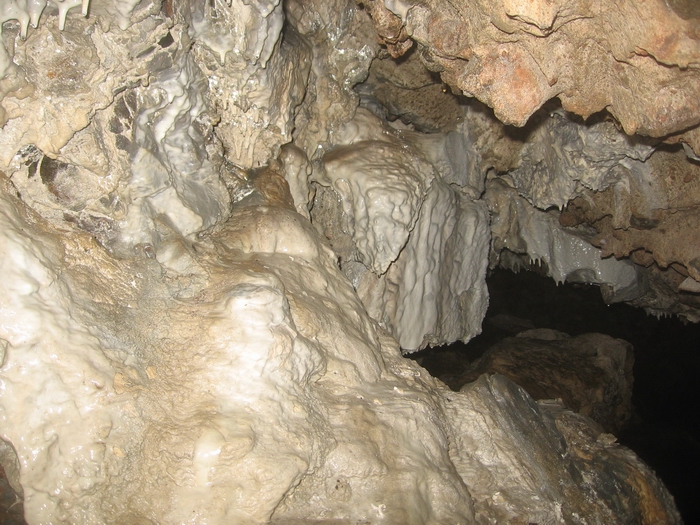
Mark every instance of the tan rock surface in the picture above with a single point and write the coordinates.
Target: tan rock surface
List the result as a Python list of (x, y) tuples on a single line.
[(591, 373), (640, 61), (180, 345)]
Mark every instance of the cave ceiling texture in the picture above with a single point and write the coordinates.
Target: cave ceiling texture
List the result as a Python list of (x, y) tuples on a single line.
[(224, 223)]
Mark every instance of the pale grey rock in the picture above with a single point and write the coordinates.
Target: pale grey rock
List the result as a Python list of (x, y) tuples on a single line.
[(382, 187), (297, 171), (519, 228), (170, 176), (109, 138), (602, 65), (562, 158), (436, 290), (455, 155), (252, 92), (159, 406), (649, 222), (69, 74), (177, 395)]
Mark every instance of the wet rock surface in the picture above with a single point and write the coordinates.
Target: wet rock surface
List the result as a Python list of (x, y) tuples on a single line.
[(215, 251)]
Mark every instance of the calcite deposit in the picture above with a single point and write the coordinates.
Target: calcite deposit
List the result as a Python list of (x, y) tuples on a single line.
[(640, 62), (223, 223), (590, 373), (414, 246)]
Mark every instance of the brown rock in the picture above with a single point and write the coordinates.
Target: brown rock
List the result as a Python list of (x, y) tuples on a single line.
[(590, 373), (409, 91), (641, 62)]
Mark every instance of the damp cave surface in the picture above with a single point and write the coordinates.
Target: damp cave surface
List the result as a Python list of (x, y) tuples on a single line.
[(665, 428)]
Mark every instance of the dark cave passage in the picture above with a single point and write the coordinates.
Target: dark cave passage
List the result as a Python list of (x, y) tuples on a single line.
[(665, 427)]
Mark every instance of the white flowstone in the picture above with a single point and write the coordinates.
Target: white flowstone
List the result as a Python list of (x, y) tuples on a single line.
[(58, 405), (522, 229), (272, 355), (247, 29), (170, 177), (424, 242), (217, 366), (382, 191), (297, 172), (436, 291), (269, 396)]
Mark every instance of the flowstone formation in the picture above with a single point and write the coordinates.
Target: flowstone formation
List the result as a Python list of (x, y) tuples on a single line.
[(216, 246), (574, 75)]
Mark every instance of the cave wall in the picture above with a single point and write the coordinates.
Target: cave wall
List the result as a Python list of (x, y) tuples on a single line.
[(223, 222), (603, 92)]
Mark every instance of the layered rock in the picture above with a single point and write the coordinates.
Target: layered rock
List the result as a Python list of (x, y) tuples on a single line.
[(562, 481), (641, 64), (653, 229), (591, 373), (178, 342)]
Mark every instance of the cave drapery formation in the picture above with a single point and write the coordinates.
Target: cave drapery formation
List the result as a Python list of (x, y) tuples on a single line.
[(223, 222)]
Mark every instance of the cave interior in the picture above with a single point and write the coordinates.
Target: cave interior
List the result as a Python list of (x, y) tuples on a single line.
[(337, 262)]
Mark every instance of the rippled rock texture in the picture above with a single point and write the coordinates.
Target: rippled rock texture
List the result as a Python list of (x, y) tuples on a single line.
[(213, 259), (641, 62)]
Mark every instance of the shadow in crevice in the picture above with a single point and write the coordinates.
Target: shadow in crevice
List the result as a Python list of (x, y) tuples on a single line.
[(665, 429)]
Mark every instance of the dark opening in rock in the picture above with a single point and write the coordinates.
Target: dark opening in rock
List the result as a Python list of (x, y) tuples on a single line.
[(664, 425)]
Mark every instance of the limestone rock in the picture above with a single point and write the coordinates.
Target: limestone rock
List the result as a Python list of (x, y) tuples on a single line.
[(521, 229), (641, 63), (414, 247), (179, 344), (256, 75), (562, 482), (590, 373), (161, 403), (344, 43), (409, 91), (72, 71), (649, 222), (110, 129), (561, 159)]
